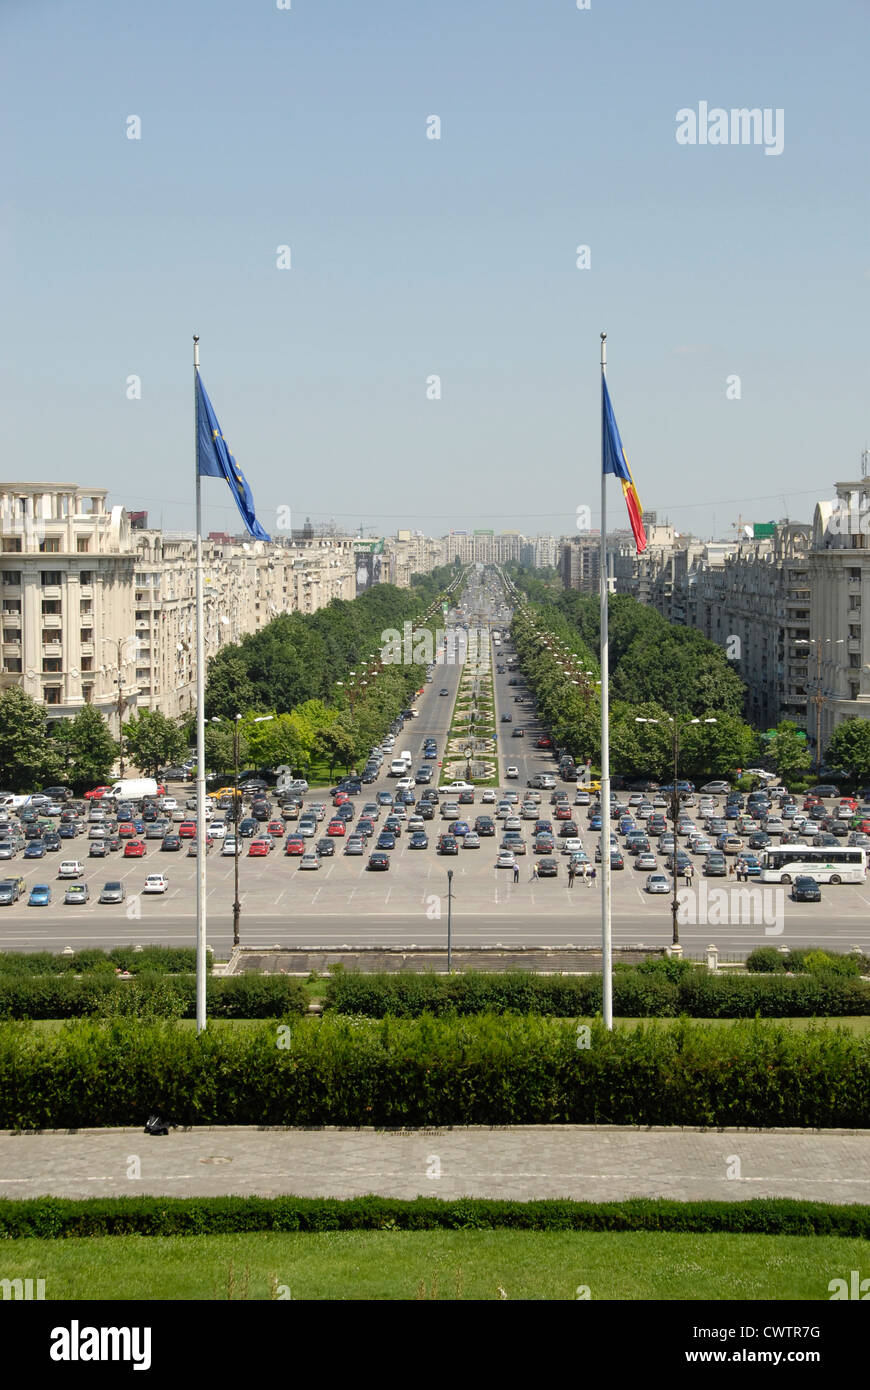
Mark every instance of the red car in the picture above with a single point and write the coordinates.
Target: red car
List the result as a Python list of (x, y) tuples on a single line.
[(187, 830), (97, 794), (336, 827), (563, 811), (126, 830), (544, 742), (134, 849), (259, 848), (275, 827), (295, 844), (812, 801), (340, 798)]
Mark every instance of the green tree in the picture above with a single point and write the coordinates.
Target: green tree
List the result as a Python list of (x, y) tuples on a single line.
[(850, 748), (27, 758), (91, 749), (220, 748), (151, 741), (788, 752)]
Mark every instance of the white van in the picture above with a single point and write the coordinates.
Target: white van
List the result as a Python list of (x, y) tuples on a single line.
[(398, 767), (134, 788)]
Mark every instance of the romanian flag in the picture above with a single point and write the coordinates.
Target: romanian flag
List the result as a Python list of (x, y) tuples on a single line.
[(616, 462)]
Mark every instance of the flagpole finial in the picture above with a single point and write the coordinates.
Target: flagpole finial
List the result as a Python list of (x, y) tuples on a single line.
[(196, 337), (603, 336)]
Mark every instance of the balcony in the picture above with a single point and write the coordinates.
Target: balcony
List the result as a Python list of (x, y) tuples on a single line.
[(52, 649), (53, 620)]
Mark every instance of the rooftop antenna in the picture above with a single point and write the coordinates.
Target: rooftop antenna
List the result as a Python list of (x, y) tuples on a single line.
[(865, 459)]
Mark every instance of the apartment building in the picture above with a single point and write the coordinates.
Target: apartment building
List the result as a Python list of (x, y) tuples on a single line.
[(66, 594), (97, 612), (838, 656)]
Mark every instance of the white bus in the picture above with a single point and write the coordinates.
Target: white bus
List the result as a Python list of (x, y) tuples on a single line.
[(827, 864)]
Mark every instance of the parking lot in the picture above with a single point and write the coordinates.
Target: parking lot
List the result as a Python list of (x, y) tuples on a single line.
[(343, 901)]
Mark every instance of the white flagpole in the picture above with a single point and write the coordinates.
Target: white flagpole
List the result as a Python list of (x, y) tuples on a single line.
[(606, 931), (200, 729)]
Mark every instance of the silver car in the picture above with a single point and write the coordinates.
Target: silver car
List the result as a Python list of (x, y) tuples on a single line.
[(657, 883), (355, 845)]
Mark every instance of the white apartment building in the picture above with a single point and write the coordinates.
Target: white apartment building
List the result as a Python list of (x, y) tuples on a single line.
[(66, 594), (94, 612), (838, 657)]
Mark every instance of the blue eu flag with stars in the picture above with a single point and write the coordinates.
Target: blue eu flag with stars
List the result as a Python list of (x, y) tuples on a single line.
[(214, 460)]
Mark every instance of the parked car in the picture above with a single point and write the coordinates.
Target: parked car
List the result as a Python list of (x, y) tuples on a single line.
[(113, 892), (77, 893), (657, 883), (40, 895), (805, 889)]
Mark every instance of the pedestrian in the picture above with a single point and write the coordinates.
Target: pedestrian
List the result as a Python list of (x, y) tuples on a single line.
[(731, 870), (688, 875), (592, 876), (586, 873), (516, 873), (570, 875), (534, 870)]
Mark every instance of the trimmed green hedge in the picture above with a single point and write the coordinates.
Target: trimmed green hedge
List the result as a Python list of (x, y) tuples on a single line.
[(810, 960), (173, 960), (484, 1070), (651, 991), (54, 1218), (148, 995)]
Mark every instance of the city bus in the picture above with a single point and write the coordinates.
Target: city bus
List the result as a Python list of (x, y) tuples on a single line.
[(827, 863)]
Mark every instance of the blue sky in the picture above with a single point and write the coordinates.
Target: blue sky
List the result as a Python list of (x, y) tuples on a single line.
[(454, 257)]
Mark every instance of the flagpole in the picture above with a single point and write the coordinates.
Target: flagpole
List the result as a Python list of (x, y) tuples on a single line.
[(606, 930), (200, 725)]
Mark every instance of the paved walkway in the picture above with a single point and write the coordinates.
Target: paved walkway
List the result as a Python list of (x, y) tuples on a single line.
[(580, 1162)]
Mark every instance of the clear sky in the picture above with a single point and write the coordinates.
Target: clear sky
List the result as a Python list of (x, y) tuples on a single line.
[(413, 257)]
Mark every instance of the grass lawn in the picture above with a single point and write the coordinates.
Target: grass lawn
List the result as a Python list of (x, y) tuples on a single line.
[(438, 1264)]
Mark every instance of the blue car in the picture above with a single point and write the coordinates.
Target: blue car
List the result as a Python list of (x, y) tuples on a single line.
[(595, 823), (34, 850), (418, 840), (40, 895), (386, 840), (430, 753), (753, 865), (459, 827)]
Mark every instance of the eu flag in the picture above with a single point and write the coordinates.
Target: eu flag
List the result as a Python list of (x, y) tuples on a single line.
[(214, 460)]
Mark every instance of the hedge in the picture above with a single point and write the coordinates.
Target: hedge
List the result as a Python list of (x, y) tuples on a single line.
[(807, 959), (171, 959), (54, 1218), (642, 992), (148, 995), (484, 1070)]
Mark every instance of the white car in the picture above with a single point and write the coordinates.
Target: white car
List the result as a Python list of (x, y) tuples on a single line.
[(156, 883), (456, 787), (229, 846), (512, 772), (70, 868), (505, 859), (572, 846), (169, 803), (310, 860), (488, 797), (218, 829), (406, 784)]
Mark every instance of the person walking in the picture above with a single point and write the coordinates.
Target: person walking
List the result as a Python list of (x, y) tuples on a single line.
[(534, 870), (586, 873), (688, 875), (571, 875), (592, 876), (516, 873)]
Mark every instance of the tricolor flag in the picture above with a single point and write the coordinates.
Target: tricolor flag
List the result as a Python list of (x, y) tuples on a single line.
[(616, 462), (214, 460)]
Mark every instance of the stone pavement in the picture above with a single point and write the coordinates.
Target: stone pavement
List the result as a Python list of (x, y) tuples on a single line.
[(596, 1163)]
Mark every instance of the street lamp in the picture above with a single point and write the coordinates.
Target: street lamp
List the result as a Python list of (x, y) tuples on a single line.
[(449, 917), (677, 729), (237, 907), (818, 699), (120, 684)]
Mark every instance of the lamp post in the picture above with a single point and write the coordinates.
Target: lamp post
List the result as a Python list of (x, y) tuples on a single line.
[(676, 729), (120, 684), (237, 796), (449, 918), (818, 699)]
